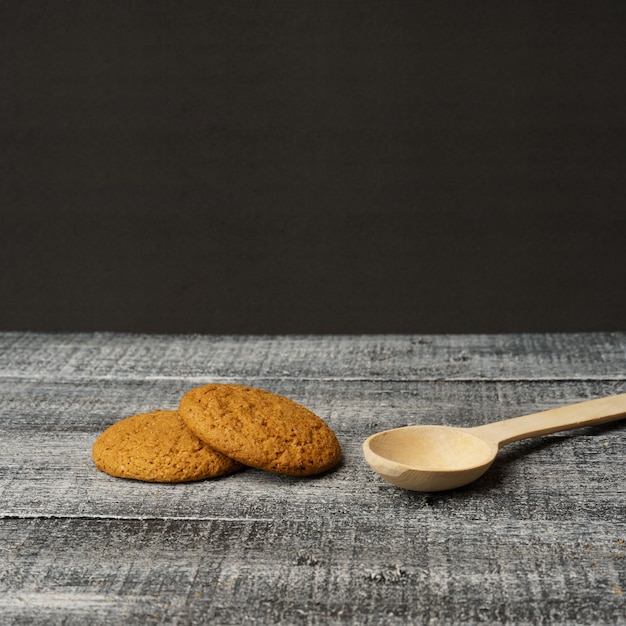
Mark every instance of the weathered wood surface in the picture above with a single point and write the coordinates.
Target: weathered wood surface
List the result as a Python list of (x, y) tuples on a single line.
[(540, 539)]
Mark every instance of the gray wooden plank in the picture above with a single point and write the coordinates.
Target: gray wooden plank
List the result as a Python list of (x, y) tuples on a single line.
[(314, 571), (203, 358), (91, 405), (580, 477), (46, 467)]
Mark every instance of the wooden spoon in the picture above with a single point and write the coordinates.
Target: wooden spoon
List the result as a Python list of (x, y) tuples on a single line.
[(436, 458)]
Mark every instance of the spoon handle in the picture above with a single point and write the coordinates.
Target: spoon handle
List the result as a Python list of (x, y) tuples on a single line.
[(552, 421)]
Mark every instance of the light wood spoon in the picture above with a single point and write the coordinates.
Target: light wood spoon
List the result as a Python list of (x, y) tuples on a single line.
[(436, 458)]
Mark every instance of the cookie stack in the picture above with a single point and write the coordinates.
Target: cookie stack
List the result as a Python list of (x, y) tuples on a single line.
[(217, 430)]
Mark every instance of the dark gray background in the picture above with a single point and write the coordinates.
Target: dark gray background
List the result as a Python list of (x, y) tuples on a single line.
[(312, 167)]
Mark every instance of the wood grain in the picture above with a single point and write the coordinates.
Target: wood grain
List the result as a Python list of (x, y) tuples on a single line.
[(541, 538), (198, 358)]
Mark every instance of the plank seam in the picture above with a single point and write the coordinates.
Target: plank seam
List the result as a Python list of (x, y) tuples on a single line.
[(346, 379), (137, 518)]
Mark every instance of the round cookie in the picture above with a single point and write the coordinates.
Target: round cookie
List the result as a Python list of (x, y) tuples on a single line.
[(157, 447), (261, 429)]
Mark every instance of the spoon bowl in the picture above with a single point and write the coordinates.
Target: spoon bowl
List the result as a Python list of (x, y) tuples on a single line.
[(437, 458), (429, 458)]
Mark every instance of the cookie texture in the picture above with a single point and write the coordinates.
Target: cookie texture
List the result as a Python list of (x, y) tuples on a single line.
[(157, 447), (261, 429)]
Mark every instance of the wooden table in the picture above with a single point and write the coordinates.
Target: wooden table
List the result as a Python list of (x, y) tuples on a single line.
[(541, 538)]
